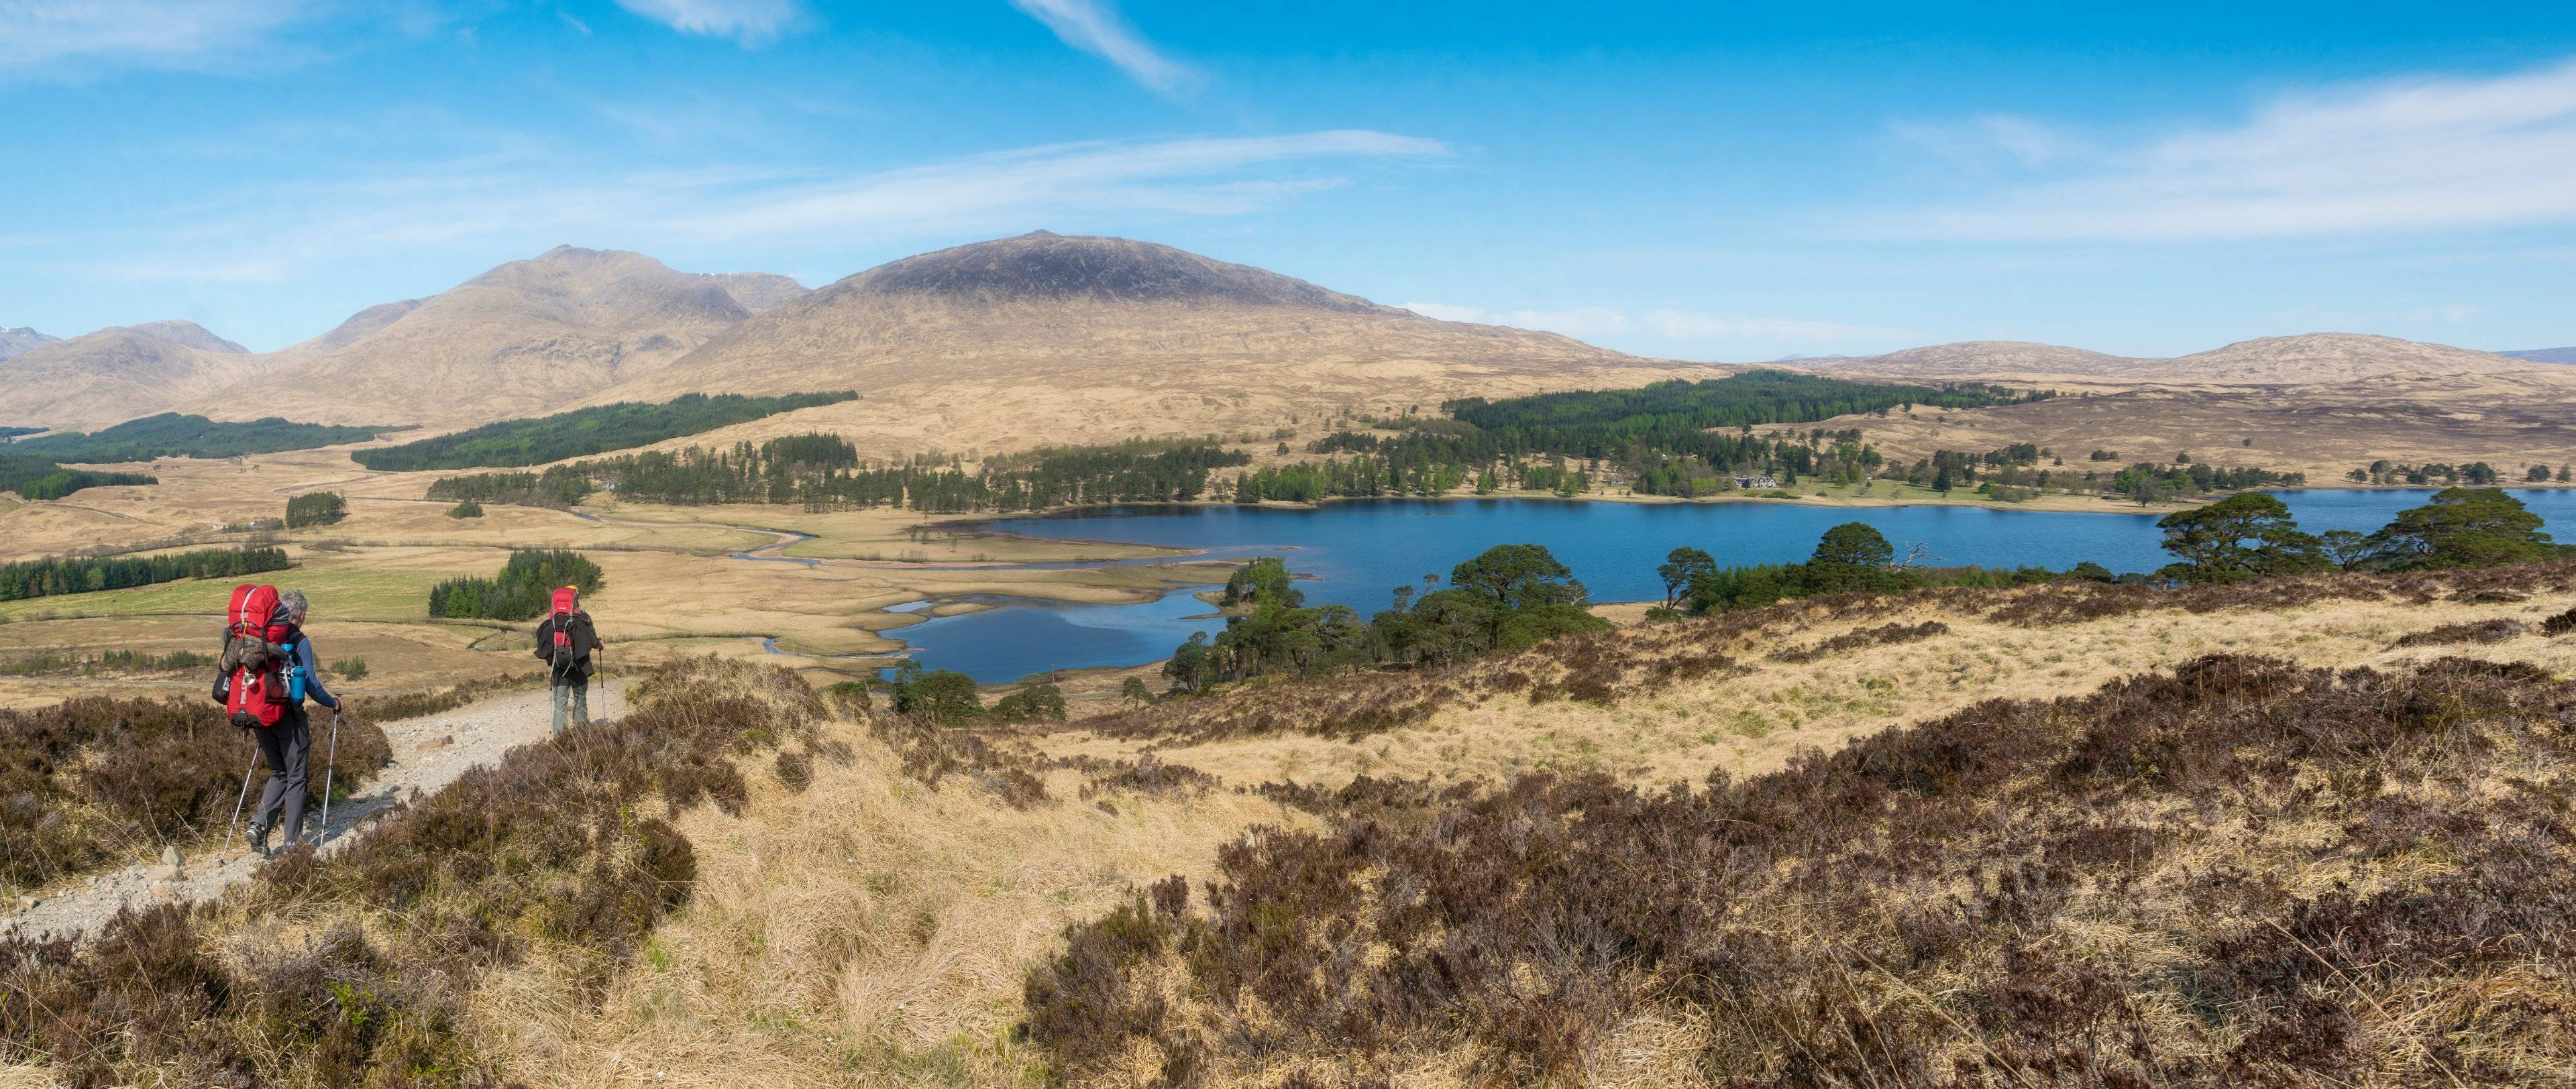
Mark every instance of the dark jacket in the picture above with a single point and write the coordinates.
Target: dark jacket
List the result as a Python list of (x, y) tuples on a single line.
[(571, 664)]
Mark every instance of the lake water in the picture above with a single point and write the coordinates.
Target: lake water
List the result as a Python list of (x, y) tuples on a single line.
[(1358, 552)]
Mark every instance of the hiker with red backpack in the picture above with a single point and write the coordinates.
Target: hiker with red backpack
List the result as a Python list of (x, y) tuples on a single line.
[(565, 640), (268, 671)]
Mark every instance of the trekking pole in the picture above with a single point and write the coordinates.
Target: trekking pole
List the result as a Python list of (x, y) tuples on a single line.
[(245, 796), (330, 761)]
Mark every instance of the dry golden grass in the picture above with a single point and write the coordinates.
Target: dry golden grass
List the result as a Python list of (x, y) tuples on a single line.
[(868, 930), (871, 930)]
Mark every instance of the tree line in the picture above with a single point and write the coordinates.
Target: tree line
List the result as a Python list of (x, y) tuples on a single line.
[(35, 478), (522, 591), (823, 472), (85, 574), (174, 435), (586, 431)]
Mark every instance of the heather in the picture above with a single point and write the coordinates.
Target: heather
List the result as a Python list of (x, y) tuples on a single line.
[(2242, 872)]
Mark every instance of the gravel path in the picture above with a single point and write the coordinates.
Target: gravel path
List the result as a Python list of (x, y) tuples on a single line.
[(429, 752)]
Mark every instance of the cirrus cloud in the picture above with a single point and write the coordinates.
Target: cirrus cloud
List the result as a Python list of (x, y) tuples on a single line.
[(2398, 155)]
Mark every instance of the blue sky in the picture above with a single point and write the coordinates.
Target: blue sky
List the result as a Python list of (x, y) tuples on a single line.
[(1704, 181)]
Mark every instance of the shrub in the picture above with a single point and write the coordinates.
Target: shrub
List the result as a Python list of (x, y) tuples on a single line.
[(1923, 907), (88, 779), (350, 668), (466, 509), (2483, 631), (2561, 624), (1036, 703)]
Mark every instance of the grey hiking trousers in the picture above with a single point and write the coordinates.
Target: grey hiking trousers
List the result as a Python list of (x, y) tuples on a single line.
[(572, 701), (288, 748)]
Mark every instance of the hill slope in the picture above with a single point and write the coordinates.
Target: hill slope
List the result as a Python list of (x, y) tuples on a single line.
[(123, 372), (2545, 355), (522, 339), (15, 342), (1104, 338), (2322, 403)]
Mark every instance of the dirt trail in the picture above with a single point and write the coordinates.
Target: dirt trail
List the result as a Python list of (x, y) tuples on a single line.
[(459, 739)]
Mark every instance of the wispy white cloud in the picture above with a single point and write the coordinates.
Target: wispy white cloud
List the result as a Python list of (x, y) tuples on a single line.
[(750, 23), (1095, 27), (569, 20), (187, 34), (2399, 155), (519, 200)]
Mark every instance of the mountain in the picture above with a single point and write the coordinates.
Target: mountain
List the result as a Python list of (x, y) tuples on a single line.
[(120, 373), (1046, 338), (523, 339), (15, 342), (2537, 355)]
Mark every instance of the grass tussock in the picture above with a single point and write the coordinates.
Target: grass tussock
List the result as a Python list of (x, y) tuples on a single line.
[(2244, 872), (94, 780), (358, 968)]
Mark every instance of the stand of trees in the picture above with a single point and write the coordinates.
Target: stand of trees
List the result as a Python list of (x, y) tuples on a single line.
[(558, 487), (2251, 536), (1850, 558), (821, 472), (1509, 597), (79, 575), (173, 435), (315, 509), (1675, 438), (522, 591), (586, 431), (35, 478)]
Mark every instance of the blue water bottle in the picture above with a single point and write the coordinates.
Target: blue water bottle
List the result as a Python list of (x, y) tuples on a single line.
[(295, 684)]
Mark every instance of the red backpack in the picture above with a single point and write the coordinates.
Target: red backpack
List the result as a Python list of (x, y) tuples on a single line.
[(566, 600), (255, 657)]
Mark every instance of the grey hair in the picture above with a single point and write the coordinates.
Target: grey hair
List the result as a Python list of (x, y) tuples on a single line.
[(293, 602)]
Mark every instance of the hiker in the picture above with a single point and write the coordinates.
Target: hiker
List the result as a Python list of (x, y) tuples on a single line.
[(288, 743), (565, 640)]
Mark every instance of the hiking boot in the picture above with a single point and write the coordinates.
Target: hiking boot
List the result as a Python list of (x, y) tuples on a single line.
[(257, 835)]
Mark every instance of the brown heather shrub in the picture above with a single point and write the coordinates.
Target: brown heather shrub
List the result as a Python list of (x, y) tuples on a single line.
[(1608, 666), (2482, 631), (2561, 624), (549, 851), (1858, 638), (2075, 602), (2242, 873), (90, 780), (1147, 775)]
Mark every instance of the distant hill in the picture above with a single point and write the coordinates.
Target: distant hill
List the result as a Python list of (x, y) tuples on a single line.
[(1049, 338), (15, 342), (2310, 359), (2545, 355), (120, 373), (2322, 403), (523, 339)]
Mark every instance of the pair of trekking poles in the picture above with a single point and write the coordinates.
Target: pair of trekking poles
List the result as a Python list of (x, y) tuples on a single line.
[(330, 763)]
